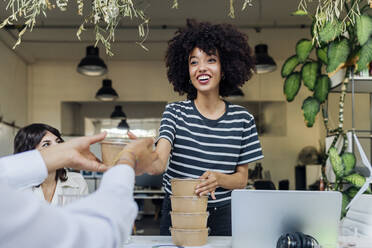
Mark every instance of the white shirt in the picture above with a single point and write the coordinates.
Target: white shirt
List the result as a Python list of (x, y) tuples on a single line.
[(74, 185), (102, 219)]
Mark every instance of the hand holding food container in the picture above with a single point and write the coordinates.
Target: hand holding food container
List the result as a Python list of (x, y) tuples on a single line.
[(139, 154)]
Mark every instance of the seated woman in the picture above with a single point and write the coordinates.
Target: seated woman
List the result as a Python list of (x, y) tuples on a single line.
[(61, 182)]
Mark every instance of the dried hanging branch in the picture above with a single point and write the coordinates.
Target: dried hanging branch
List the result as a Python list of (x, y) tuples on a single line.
[(332, 10), (105, 16)]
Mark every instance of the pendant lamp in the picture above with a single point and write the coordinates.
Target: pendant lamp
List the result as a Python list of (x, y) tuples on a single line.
[(106, 92), (92, 64), (264, 63), (118, 113), (123, 124)]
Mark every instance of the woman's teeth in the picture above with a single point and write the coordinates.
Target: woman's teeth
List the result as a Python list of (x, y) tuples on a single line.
[(203, 78)]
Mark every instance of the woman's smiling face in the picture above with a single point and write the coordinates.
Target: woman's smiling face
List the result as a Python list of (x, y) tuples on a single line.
[(205, 71)]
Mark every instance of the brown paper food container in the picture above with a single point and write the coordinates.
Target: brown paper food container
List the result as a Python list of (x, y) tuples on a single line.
[(189, 237), (189, 204), (189, 220), (184, 186), (111, 149)]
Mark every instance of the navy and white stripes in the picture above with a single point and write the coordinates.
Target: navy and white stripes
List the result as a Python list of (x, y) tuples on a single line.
[(200, 144)]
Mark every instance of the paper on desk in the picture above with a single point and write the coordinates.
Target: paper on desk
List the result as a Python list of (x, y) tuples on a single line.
[(171, 245), (367, 164)]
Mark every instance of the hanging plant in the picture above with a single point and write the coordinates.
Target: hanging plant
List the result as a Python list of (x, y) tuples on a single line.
[(105, 16), (342, 34)]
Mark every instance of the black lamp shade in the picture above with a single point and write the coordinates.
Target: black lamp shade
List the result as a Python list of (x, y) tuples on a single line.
[(118, 113), (264, 63), (106, 93), (92, 64), (123, 124)]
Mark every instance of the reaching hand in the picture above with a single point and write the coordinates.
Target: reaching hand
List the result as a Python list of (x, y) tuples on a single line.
[(131, 135), (74, 154), (208, 185), (140, 155)]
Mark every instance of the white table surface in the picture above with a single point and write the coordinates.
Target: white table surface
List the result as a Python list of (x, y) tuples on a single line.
[(225, 242), (150, 241)]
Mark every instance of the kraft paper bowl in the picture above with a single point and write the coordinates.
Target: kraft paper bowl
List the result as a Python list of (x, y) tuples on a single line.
[(189, 237), (189, 204), (111, 149), (189, 220), (184, 186)]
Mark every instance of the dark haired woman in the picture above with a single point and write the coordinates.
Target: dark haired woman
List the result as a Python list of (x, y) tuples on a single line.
[(61, 182), (206, 136)]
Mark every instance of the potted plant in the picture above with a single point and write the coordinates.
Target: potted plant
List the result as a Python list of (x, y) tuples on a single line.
[(342, 39)]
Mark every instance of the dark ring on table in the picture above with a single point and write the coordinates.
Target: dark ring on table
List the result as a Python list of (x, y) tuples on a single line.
[(157, 246)]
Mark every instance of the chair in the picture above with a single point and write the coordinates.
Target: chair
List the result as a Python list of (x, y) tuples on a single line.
[(264, 184), (284, 184)]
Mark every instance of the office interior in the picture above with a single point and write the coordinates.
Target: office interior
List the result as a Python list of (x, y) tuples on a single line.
[(40, 83)]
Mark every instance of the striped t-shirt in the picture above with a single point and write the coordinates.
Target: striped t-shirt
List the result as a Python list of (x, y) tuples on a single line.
[(200, 144)]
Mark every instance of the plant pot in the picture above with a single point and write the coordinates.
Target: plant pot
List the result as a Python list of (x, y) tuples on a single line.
[(189, 204), (189, 220), (338, 78), (359, 217), (189, 237), (184, 187)]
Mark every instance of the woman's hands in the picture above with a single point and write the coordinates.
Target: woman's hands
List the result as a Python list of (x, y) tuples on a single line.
[(162, 149), (208, 185), (140, 155), (74, 154)]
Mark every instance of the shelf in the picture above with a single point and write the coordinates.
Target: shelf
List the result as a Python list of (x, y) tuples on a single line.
[(362, 85)]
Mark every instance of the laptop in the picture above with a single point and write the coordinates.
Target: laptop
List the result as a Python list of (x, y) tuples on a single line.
[(260, 217)]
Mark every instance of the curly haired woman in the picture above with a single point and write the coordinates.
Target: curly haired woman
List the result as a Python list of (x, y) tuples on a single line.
[(205, 136)]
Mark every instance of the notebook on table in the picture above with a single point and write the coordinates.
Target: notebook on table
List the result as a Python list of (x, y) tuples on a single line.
[(260, 217)]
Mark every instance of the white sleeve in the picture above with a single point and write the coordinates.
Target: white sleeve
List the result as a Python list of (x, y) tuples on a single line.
[(23, 170), (102, 219)]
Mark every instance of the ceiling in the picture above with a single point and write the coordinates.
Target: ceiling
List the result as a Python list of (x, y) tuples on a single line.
[(54, 37)]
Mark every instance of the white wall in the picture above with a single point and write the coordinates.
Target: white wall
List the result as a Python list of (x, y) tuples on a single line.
[(51, 82), (13, 96), (13, 87)]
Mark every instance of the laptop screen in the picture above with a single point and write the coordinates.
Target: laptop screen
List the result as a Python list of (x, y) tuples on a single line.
[(260, 217)]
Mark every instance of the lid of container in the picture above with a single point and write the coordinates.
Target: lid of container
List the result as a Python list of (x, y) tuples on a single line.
[(188, 230), (116, 141), (194, 213)]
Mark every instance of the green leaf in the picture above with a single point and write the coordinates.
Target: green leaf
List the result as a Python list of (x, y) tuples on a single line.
[(312, 28), (321, 53), (310, 108), (365, 56), (356, 180), (299, 12), (330, 31), (349, 161), (338, 52), (322, 86), (289, 65), (345, 201), (363, 28), (303, 49), (309, 74), (291, 85), (351, 192), (336, 162)]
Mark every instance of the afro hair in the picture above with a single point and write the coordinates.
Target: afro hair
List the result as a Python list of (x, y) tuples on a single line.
[(237, 62)]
